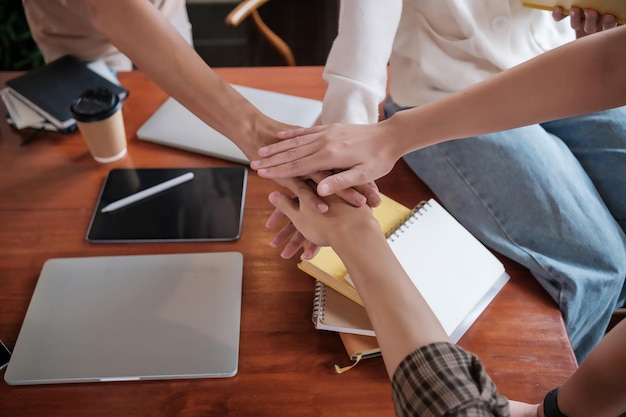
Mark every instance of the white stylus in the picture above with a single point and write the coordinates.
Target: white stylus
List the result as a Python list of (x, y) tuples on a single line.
[(133, 198)]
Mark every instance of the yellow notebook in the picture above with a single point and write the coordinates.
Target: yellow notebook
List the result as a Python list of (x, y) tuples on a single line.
[(455, 273), (328, 268), (615, 7)]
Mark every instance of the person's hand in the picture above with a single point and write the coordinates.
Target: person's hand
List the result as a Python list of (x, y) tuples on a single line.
[(288, 236), (519, 409), (358, 154), (317, 228), (585, 21)]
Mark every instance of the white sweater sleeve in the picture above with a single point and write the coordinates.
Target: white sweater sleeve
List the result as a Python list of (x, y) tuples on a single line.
[(356, 69)]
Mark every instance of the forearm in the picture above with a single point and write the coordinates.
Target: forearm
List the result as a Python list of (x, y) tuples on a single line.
[(597, 387), (356, 68), (581, 77), (141, 32), (400, 316)]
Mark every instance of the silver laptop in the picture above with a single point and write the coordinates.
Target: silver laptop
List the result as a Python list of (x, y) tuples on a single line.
[(123, 318), (173, 125)]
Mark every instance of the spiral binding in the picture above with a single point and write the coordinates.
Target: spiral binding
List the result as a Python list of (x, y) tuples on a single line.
[(319, 301), (398, 229)]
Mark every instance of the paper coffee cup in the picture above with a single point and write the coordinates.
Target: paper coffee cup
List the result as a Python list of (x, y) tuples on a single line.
[(98, 115)]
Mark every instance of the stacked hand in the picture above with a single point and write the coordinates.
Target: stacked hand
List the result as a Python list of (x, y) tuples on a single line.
[(356, 155), (585, 21)]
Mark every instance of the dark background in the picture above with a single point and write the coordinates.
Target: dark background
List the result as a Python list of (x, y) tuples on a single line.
[(308, 27)]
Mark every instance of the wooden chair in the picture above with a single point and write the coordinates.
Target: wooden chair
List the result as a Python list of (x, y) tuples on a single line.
[(250, 7)]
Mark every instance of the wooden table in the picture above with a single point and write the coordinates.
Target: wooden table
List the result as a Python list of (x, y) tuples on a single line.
[(48, 190)]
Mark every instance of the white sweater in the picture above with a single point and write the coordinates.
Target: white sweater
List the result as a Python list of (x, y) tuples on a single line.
[(433, 47)]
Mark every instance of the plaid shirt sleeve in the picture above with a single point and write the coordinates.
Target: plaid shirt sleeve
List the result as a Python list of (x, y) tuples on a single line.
[(441, 379)]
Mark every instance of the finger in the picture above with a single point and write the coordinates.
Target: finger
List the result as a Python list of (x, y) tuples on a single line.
[(350, 195), (277, 217), (287, 134), (283, 236), (608, 22), (576, 18), (295, 162), (305, 194), (558, 13), (293, 246), (371, 193), (345, 179), (289, 236), (591, 21), (292, 162), (283, 204), (310, 251), (285, 145)]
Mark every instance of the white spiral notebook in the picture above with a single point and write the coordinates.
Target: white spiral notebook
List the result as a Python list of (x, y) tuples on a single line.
[(455, 273)]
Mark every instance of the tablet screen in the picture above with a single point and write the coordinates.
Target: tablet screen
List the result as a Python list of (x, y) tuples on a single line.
[(170, 204)]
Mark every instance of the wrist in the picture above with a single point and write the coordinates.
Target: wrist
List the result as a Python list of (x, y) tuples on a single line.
[(551, 406), (405, 127), (395, 128), (362, 230), (251, 133), (257, 131)]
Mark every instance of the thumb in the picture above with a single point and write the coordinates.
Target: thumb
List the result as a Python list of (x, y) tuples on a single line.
[(292, 133), (282, 203), (340, 181)]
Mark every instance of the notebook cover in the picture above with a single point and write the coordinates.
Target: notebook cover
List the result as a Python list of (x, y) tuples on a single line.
[(356, 344), (332, 311), (51, 89)]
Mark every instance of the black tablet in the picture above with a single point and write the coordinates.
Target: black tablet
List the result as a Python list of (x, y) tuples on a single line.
[(170, 204)]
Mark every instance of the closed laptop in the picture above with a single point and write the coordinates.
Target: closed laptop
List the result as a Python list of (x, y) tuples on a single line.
[(136, 317), (173, 125)]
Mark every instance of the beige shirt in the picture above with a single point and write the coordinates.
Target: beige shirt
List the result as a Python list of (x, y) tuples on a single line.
[(62, 27)]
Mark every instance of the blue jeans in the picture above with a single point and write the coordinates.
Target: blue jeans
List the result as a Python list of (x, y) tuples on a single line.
[(552, 197)]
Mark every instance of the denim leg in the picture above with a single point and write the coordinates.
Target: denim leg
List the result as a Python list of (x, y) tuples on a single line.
[(524, 194), (598, 141)]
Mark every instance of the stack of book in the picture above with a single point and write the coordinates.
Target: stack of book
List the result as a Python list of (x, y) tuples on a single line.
[(454, 272), (41, 98)]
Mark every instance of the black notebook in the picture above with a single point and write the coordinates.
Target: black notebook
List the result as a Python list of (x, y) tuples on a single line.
[(200, 204), (50, 90)]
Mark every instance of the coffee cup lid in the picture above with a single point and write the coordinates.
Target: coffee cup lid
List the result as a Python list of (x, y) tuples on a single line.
[(94, 105)]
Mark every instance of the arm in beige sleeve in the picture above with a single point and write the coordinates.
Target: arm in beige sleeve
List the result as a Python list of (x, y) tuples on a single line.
[(141, 32)]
